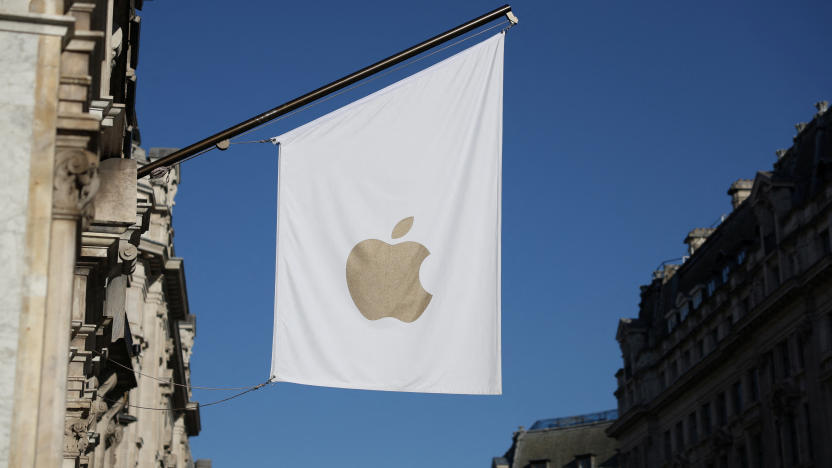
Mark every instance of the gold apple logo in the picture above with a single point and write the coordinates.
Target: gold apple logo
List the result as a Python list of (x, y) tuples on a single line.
[(383, 279)]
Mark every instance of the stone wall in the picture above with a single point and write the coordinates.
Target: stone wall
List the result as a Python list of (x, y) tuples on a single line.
[(18, 66), (82, 269)]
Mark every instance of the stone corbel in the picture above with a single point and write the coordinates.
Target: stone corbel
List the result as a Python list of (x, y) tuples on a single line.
[(76, 183), (114, 431), (168, 459), (76, 438), (98, 248), (79, 437)]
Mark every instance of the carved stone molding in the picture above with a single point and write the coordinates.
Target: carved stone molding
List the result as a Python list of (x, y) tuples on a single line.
[(128, 253), (77, 437), (76, 182), (79, 433)]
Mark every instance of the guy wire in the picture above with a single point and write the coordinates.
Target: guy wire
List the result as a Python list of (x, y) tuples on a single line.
[(256, 387), (170, 382)]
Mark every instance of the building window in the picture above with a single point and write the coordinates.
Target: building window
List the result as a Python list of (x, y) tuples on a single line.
[(801, 354), (793, 441), (680, 437), (742, 456), (714, 335), (697, 299), (769, 242), (585, 461), (662, 381), (711, 287), (693, 435), (726, 273), (721, 409), (672, 321), (823, 238), (700, 348), (757, 449), (774, 277), (737, 396), (754, 382), (686, 360), (539, 464), (684, 311), (741, 257), (726, 326), (828, 320), (795, 256), (779, 438), (674, 370), (706, 418), (768, 366), (783, 349), (668, 449), (809, 442)]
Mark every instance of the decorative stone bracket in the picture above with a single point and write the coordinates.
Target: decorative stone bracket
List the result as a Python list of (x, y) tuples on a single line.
[(76, 182)]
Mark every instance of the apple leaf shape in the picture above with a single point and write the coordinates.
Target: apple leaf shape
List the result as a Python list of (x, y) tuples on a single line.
[(402, 227)]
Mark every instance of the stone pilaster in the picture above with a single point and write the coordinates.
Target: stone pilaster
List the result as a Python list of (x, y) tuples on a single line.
[(75, 183), (32, 37)]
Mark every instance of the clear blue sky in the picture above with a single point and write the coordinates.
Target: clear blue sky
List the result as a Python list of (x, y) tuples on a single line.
[(625, 123)]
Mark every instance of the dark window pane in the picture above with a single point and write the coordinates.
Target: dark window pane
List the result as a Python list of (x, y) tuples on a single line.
[(754, 381), (783, 349), (706, 418), (721, 409), (680, 437), (693, 435), (793, 440), (737, 391), (757, 448), (742, 456)]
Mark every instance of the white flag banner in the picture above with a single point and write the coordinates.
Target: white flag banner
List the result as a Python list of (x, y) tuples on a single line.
[(388, 236)]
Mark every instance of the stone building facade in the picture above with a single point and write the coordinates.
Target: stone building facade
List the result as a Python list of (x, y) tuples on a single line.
[(568, 442), (729, 362), (93, 292)]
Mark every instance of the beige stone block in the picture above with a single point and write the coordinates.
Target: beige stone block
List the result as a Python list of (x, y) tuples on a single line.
[(115, 202)]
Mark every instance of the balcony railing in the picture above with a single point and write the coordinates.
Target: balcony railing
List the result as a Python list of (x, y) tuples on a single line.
[(570, 421)]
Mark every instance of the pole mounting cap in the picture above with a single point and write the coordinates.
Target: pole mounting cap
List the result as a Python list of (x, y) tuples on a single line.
[(224, 144), (511, 17)]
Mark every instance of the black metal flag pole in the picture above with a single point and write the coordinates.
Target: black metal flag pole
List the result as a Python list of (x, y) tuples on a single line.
[(330, 88)]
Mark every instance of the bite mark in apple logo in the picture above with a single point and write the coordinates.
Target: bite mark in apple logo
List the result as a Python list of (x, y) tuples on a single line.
[(383, 279)]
